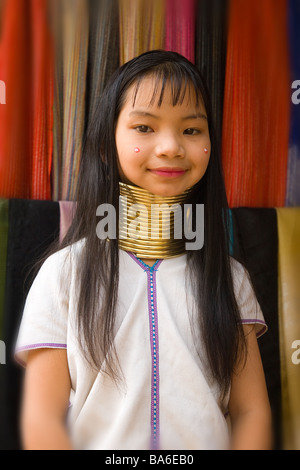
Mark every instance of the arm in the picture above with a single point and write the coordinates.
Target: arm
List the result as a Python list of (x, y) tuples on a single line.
[(249, 406), (45, 401)]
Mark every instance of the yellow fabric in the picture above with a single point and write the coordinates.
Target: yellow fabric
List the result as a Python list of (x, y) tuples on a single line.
[(141, 27), (289, 322), (70, 24)]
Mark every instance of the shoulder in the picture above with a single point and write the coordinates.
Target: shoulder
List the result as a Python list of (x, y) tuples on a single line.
[(62, 261), (249, 306), (240, 275), (237, 268), (52, 281)]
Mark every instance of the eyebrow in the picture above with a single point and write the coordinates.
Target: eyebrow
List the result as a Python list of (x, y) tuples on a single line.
[(185, 118)]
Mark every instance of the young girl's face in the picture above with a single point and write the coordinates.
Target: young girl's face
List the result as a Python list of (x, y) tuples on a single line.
[(162, 149)]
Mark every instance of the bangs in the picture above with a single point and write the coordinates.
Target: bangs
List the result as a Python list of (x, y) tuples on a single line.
[(178, 80)]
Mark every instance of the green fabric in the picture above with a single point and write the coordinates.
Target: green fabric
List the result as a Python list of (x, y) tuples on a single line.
[(3, 247)]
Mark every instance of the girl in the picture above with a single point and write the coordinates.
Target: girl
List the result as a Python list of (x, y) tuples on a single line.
[(141, 343)]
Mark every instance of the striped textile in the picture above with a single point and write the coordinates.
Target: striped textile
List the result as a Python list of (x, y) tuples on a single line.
[(180, 27), (256, 104), (103, 49), (210, 52), (75, 48), (256, 247), (26, 118), (289, 325), (55, 17), (293, 170), (70, 22), (42, 91), (3, 249), (141, 26)]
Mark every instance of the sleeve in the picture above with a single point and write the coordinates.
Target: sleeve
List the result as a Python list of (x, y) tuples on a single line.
[(250, 309), (44, 322)]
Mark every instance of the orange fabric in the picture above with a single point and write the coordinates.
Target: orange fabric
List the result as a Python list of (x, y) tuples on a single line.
[(26, 118), (43, 91), (256, 104)]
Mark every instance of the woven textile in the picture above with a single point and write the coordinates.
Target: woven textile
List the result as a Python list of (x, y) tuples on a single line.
[(256, 104), (289, 322), (210, 52), (293, 171), (141, 25), (26, 118), (70, 23), (180, 27), (3, 247), (32, 227), (103, 51), (256, 247)]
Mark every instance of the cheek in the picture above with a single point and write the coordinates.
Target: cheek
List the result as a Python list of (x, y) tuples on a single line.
[(201, 162), (130, 162)]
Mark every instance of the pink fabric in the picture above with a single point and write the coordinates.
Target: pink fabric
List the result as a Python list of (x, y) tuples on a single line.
[(66, 216), (180, 27)]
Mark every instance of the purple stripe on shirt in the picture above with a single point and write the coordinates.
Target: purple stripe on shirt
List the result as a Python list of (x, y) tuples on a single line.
[(36, 346), (40, 346), (253, 321), (153, 327)]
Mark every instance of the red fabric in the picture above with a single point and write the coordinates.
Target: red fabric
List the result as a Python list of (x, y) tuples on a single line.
[(256, 104), (26, 118)]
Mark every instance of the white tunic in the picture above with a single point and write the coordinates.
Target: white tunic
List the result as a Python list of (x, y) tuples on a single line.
[(166, 399)]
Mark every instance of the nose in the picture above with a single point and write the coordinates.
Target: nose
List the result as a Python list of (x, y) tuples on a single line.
[(169, 145)]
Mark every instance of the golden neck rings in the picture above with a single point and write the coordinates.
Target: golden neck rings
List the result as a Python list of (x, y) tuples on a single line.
[(149, 225)]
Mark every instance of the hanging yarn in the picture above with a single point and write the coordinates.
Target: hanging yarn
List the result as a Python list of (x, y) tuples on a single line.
[(26, 116), (256, 104)]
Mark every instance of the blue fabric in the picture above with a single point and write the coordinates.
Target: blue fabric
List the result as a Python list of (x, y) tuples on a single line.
[(293, 170)]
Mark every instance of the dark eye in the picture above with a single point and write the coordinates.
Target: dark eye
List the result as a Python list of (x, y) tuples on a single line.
[(143, 129), (191, 131)]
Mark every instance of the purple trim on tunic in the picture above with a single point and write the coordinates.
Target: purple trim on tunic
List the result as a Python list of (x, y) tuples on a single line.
[(36, 346), (253, 321), (153, 327), (40, 346)]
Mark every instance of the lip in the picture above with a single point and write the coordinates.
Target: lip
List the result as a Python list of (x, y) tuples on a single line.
[(168, 172)]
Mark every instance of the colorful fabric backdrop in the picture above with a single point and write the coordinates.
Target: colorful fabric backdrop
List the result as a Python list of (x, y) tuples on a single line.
[(55, 59), (56, 56)]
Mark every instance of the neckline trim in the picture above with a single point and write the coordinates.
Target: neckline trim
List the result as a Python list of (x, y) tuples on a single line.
[(143, 265)]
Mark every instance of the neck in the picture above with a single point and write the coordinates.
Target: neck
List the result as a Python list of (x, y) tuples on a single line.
[(151, 225)]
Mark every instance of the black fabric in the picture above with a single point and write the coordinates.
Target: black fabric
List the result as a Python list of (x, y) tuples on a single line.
[(104, 54), (210, 51), (33, 226), (256, 247)]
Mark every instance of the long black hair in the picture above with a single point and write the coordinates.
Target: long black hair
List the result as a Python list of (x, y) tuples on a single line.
[(209, 268)]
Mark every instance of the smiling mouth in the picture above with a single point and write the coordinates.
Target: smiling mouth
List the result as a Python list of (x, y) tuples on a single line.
[(168, 172)]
